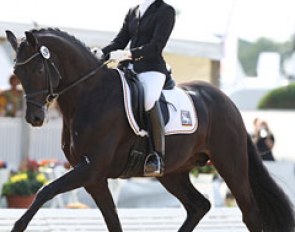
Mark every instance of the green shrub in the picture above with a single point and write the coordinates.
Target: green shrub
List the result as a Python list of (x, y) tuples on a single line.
[(208, 168), (280, 98), (24, 183)]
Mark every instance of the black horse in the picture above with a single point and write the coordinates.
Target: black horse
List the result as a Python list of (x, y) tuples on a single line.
[(97, 138)]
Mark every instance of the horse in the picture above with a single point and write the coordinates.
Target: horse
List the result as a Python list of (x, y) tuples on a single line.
[(97, 139)]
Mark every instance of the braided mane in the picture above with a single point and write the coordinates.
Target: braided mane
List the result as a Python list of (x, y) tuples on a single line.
[(66, 36)]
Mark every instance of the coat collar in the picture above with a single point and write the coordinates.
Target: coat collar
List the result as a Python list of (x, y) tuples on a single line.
[(152, 8), (144, 5)]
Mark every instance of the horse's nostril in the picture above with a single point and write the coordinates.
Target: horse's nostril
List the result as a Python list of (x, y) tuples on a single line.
[(37, 119)]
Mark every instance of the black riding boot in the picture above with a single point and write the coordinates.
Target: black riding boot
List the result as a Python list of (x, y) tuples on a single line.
[(154, 165)]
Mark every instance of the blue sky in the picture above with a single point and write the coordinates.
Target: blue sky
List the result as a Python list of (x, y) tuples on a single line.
[(251, 18)]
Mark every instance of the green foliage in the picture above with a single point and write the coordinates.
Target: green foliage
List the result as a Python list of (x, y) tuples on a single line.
[(248, 53), (280, 98), (24, 183), (248, 57), (208, 168)]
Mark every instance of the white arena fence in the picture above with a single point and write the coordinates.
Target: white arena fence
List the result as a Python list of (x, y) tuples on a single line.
[(18, 140)]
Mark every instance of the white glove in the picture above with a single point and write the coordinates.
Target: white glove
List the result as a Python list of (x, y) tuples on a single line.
[(97, 52), (120, 55)]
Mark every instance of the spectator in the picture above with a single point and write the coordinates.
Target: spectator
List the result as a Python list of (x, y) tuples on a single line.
[(264, 139), (11, 99)]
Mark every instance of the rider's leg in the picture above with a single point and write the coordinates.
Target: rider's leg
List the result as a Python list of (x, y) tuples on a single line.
[(153, 83), (154, 165)]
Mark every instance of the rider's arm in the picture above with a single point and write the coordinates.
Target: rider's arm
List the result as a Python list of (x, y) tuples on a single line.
[(121, 40)]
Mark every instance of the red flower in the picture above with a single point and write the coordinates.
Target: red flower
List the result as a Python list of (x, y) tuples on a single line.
[(32, 165)]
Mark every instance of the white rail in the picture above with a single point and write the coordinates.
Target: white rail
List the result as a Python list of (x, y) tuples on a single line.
[(156, 220), (18, 139), (10, 140)]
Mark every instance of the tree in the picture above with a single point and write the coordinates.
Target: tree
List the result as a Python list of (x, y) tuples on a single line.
[(279, 98), (248, 52)]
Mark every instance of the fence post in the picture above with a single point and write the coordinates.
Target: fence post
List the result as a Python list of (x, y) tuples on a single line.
[(25, 135)]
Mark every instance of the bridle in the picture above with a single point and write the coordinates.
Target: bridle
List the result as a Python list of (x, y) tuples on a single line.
[(48, 62)]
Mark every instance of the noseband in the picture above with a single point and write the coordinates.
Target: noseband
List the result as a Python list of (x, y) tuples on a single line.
[(48, 62)]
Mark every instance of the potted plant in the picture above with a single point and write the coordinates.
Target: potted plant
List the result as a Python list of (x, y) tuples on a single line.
[(208, 169), (21, 187)]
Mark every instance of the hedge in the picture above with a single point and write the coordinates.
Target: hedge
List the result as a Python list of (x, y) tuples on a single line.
[(280, 98)]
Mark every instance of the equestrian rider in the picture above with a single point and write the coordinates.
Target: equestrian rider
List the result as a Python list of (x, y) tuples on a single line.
[(147, 27)]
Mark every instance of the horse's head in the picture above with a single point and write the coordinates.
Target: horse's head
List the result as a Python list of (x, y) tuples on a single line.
[(35, 67)]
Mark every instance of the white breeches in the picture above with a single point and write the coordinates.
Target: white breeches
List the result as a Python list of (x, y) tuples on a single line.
[(153, 83)]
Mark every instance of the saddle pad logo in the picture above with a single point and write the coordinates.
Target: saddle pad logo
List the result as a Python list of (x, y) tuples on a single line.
[(186, 119)]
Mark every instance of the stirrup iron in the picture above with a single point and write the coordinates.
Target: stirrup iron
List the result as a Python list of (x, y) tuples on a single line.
[(153, 165)]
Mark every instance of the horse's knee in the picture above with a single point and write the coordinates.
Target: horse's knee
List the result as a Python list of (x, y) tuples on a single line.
[(200, 207), (204, 205)]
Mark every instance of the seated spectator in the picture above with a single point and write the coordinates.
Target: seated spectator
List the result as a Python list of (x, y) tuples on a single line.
[(11, 99)]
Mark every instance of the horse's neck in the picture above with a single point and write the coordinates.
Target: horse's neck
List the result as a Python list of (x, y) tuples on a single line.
[(79, 95), (73, 65)]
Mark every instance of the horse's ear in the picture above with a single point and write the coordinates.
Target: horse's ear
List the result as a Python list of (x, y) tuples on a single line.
[(12, 39), (31, 38)]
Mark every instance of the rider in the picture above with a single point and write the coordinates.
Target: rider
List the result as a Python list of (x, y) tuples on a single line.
[(147, 27)]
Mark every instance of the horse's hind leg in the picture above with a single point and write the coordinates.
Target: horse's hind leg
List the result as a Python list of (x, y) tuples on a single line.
[(103, 199), (235, 174), (194, 202), (247, 204)]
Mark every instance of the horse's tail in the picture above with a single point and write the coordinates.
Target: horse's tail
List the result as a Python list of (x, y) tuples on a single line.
[(275, 208)]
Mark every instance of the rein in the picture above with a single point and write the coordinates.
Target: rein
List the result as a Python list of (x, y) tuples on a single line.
[(45, 54), (84, 78)]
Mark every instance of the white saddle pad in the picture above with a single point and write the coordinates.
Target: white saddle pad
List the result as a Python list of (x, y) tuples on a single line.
[(183, 117)]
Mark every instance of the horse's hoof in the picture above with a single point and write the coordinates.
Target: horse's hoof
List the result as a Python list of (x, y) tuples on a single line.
[(17, 230), (18, 227)]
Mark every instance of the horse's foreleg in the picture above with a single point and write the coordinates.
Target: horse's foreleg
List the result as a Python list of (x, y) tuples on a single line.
[(194, 202), (80, 175), (104, 200)]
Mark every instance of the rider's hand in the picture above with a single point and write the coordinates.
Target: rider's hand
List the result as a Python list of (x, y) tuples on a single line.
[(120, 55)]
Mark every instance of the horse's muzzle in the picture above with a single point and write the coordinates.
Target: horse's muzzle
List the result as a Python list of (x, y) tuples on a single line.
[(35, 118)]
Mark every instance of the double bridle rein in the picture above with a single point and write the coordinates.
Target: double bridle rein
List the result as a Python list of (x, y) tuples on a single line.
[(48, 62)]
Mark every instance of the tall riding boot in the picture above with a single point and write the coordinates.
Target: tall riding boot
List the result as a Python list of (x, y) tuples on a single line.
[(154, 165)]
